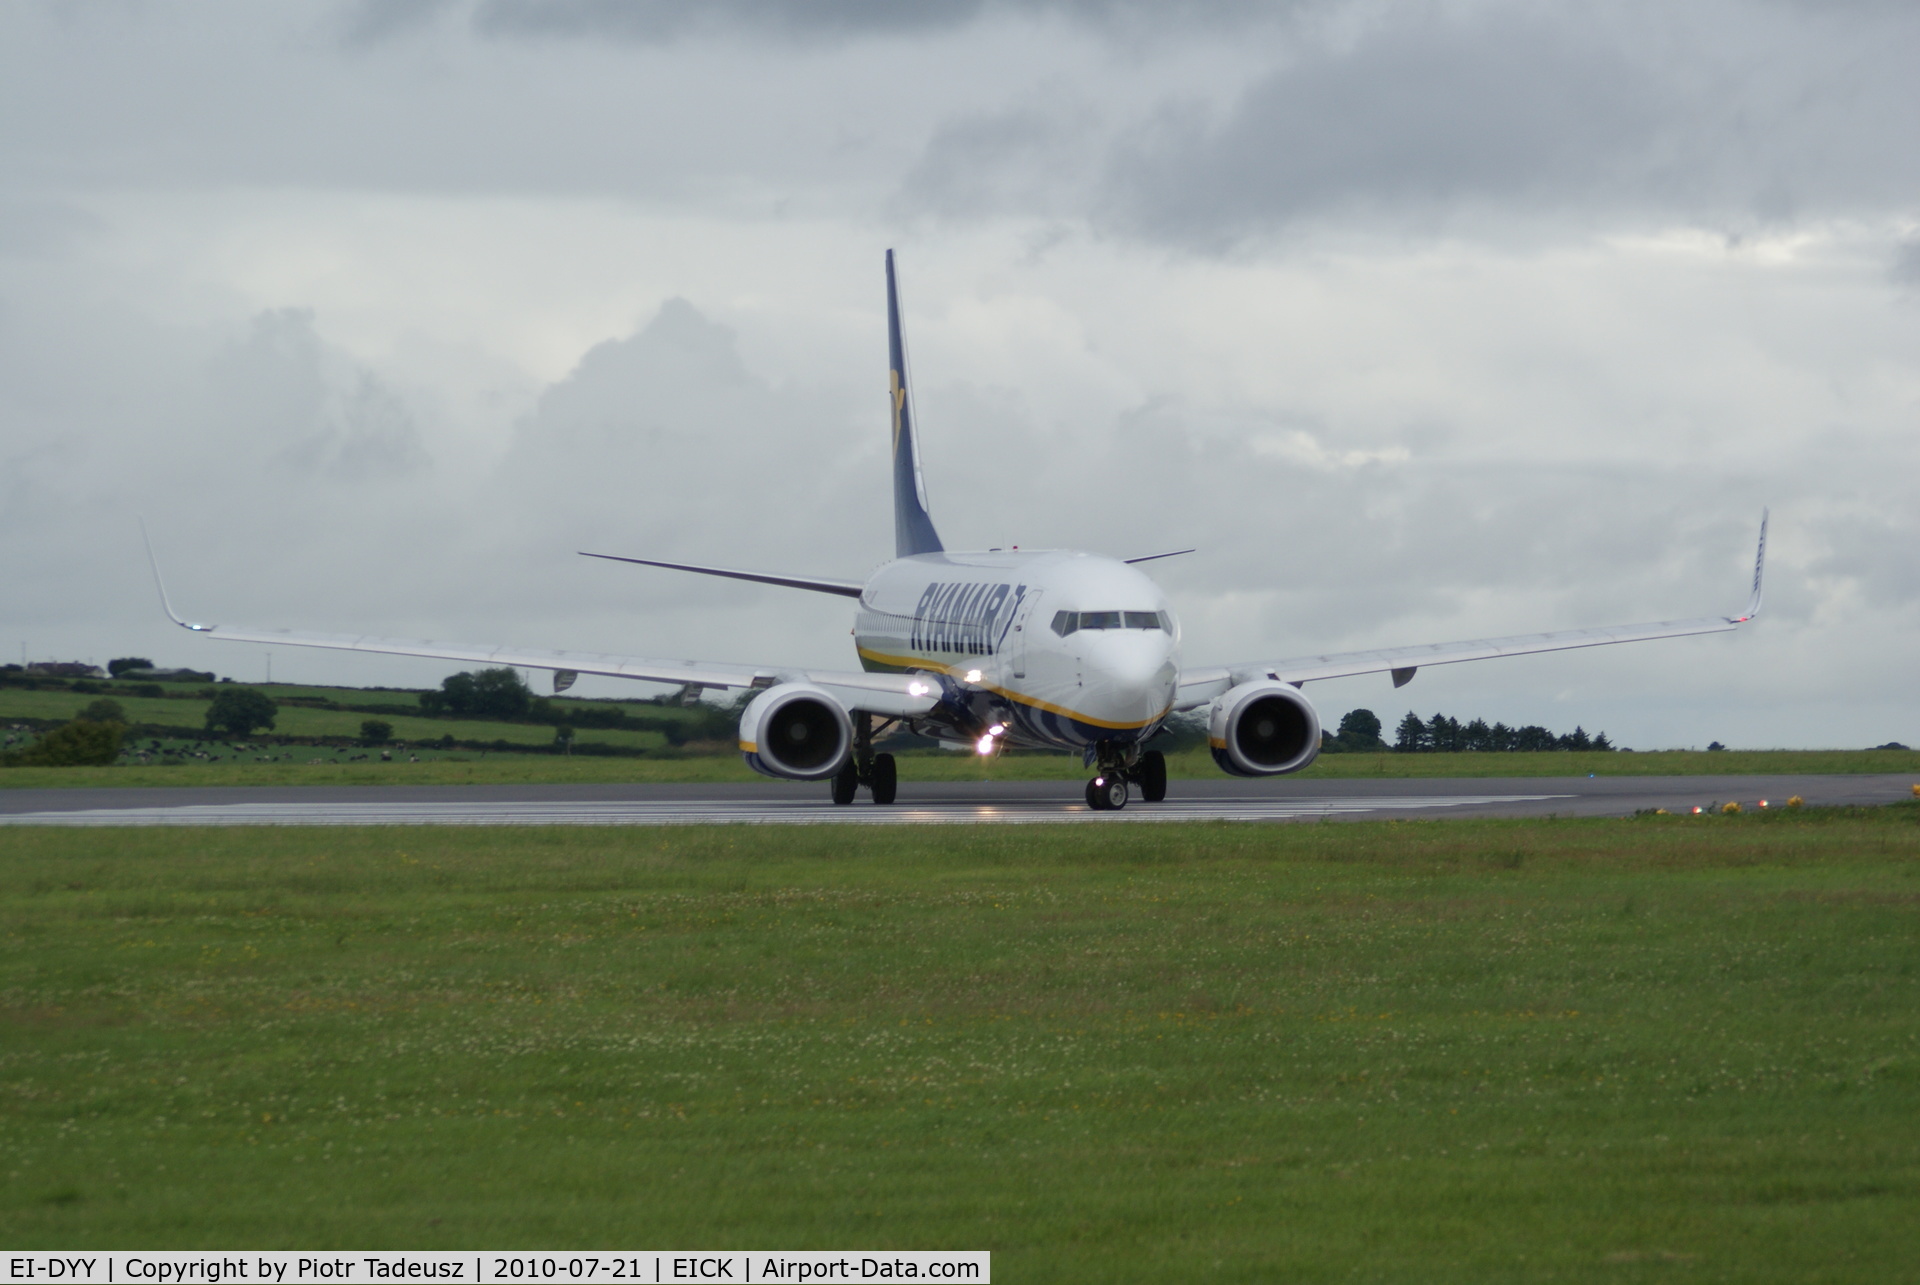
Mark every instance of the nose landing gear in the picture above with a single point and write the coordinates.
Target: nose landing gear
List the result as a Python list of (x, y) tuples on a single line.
[(1108, 791)]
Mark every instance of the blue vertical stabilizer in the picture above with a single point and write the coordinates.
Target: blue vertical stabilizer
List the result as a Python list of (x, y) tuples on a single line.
[(912, 526)]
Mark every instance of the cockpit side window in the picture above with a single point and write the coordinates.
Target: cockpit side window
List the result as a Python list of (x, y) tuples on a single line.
[(1065, 622)]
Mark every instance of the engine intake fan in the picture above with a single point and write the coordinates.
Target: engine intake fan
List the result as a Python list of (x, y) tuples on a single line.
[(1263, 729), (796, 731)]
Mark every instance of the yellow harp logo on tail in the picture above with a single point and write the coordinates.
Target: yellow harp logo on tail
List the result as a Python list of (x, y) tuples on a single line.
[(899, 402)]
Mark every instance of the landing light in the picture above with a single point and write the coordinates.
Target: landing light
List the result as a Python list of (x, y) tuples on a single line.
[(984, 745), (973, 675), (998, 728), (916, 689)]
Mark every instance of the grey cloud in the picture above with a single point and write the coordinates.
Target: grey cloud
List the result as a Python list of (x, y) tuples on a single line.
[(290, 402), (370, 22), (38, 228), (1905, 269), (1026, 159), (1415, 115), (664, 443), (663, 21), (1733, 115)]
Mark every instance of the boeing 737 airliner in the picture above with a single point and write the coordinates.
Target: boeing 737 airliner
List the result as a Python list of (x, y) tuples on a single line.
[(1038, 648)]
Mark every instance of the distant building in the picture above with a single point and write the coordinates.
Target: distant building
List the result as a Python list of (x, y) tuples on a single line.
[(64, 669)]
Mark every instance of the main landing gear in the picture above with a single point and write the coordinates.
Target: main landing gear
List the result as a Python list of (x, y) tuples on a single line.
[(875, 771), (1108, 792)]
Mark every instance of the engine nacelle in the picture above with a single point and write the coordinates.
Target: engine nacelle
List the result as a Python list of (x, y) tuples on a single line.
[(1263, 729), (796, 731)]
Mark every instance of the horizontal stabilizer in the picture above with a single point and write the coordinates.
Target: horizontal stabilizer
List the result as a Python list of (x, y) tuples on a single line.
[(818, 584)]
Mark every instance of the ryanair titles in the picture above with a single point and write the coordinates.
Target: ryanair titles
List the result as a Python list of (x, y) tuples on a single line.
[(971, 618)]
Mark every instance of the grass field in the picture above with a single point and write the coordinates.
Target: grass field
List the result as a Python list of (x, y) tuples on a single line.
[(1470, 1050), (466, 767), (304, 721)]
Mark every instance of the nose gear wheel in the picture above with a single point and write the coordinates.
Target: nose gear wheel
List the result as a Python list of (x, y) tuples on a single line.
[(1150, 774)]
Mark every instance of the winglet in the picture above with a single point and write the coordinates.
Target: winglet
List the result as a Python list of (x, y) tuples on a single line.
[(161, 585), (912, 526), (1759, 566)]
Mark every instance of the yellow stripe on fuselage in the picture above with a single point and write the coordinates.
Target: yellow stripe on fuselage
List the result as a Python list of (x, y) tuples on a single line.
[(1032, 702)]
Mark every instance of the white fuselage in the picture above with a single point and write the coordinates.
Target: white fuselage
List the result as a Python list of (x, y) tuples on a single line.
[(1060, 650)]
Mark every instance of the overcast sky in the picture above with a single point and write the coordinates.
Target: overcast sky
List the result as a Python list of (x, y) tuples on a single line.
[(1424, 321)]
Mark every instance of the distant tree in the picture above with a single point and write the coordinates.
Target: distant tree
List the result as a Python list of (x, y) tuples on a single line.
[(1533, 738), (238, 710), (122, 665), (485, 693), (1477, 736), (375, 731), (1360, 731), (76, 744), (1576, 739), (1715, 746), (1443, 733), (1411, 736), (103, 711), (1601, 742)]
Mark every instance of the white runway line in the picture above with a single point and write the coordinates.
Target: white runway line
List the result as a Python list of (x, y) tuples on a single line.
[(798, 812)]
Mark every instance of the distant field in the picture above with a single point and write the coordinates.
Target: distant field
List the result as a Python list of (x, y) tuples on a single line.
[(468, 767), (334, 725), (1439, 1051)]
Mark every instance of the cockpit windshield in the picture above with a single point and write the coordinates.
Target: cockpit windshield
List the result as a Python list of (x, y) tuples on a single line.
[(1069, 622)]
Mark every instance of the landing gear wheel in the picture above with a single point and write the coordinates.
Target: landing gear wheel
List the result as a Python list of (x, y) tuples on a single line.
[(886, 778), (1107, 793), (845, 782), (1151, 774)]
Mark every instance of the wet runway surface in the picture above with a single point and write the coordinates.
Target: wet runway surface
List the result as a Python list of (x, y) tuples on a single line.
[(951, 803)]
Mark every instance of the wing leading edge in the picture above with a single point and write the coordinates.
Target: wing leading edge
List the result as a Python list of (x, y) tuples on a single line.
[(1198, 687)]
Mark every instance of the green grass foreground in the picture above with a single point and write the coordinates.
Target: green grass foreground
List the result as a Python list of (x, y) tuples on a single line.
[(466, 767), (1466, 1050)]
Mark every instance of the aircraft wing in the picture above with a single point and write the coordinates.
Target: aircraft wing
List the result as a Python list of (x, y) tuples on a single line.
[(896, 695), (1200, 686), (893, 695)]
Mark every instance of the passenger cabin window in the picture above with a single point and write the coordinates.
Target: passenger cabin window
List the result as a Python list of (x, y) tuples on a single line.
[(1067, 622)]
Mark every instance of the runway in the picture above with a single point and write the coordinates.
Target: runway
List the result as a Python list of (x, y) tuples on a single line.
[(935, 803)]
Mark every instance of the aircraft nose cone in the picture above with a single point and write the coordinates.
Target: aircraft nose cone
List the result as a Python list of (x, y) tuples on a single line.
[(1131, 677)]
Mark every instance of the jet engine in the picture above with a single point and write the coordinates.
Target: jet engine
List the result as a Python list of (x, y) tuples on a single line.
[(1263, 729), (796, 731)]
